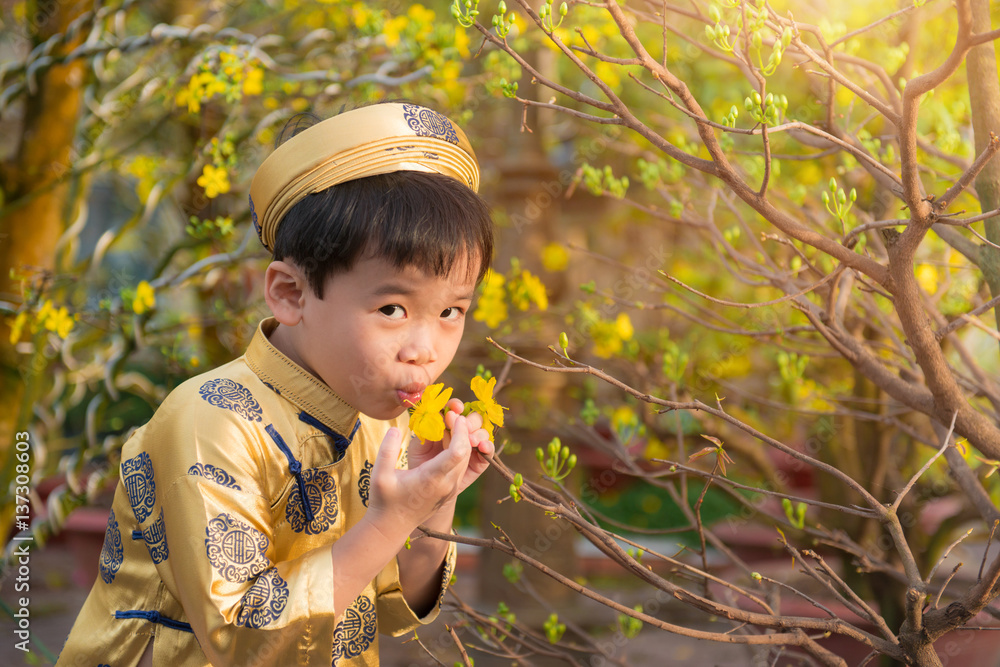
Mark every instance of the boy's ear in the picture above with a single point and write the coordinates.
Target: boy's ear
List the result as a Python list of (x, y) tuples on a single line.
[(285, 289)]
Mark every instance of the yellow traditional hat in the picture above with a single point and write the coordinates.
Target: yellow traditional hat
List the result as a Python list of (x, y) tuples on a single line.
[(372, 140)]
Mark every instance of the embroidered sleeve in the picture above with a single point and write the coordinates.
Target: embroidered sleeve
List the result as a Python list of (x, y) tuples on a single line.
[(395, 617)]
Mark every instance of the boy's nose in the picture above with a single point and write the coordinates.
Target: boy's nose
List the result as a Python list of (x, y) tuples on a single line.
[(418, 348)]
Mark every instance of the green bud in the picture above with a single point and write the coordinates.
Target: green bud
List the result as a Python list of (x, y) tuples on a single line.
[(563, 9), (710, 32), (571, 462), (518, 480), (841, 197), (854, 195), (826, 197), (564, 453), (756, 39), (496, 21), (563, 340), (502, 8), (833, 184), (786, 37), (769, 100), (539, 454), (713, 12), (756, 98)]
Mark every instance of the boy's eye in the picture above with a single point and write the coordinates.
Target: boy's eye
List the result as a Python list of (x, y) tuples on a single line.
[(394, 311), (452, 313)]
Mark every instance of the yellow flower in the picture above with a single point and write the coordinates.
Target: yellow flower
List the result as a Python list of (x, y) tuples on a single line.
[(58, 321), (215, 180), (555, 257), (426, 421), (462, 42), (18, 326), (145, 298), (392, 30), (927, 277), (529, 289), (492, 308), (623, 326), (254, 83), (487, 406)]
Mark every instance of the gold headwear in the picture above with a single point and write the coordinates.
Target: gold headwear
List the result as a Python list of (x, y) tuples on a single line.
[(377, 139)]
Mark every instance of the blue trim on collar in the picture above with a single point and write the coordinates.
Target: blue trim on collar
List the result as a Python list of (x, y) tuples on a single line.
[(339, 441)]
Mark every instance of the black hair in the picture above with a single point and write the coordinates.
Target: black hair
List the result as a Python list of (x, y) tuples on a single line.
[(409, 218)]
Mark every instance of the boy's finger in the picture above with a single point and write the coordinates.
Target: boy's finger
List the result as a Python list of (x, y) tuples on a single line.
[(455, 405), (388, 452)]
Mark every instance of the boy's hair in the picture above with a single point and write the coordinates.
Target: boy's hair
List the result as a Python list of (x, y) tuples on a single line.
[(408, 218)]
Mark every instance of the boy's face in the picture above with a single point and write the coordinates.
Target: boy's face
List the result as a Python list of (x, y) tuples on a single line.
[(380, 334)]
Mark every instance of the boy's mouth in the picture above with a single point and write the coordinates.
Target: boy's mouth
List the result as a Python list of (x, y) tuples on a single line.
[(410, 394)]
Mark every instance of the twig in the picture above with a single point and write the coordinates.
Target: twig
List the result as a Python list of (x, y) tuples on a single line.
[(945, 585), (913, 480), (986, 552), (461, 647), (957, 323), (946, 553)]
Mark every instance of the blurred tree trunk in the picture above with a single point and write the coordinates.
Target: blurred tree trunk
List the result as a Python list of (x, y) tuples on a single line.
[(37, 195), (984, 98), (529, 193)]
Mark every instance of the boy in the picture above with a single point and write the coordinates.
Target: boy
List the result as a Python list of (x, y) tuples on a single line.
[(262, 513)]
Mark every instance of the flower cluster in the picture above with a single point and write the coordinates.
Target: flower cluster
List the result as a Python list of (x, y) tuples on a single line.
[(48, 317), (520, 287), (231, 74), (427, 420), (609, 336)]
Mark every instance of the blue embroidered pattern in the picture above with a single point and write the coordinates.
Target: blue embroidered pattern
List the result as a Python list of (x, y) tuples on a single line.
[(237, 551), (225, 393), (365, 482), (321, 493), (112, 552), (271, 387), (429, 123), (137, 476), (356, 632), (155, 537), (264, 601), (404, 459), (214, 473)]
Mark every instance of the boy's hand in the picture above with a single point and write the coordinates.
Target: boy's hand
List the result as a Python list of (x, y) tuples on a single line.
[(478, 439), (439, 471)]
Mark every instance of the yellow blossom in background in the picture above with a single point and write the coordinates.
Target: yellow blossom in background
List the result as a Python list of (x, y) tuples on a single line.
[(462, 42), (555, 257), (215, 180), (145, 298), (609, 336), (143, 167), (253, 84), (486, 406), (422, 17), (393, 29), (60, 322), (528, 289), (623, 326), (18, 326), (361, 14), (927, 276), (426, 420), (492, 307), (624, 419)]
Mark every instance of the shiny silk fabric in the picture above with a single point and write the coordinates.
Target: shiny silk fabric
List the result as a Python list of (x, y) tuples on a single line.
[(211, 553)]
